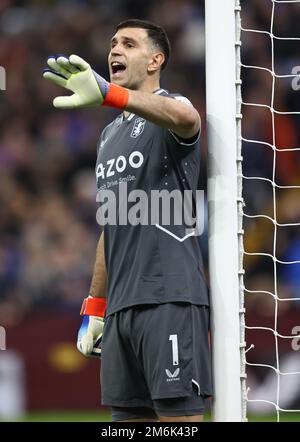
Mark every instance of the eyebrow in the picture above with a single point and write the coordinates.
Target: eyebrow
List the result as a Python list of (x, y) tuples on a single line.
[(127, 39)]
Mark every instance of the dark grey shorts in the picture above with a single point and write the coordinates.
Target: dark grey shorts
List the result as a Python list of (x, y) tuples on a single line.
[(156, 357)]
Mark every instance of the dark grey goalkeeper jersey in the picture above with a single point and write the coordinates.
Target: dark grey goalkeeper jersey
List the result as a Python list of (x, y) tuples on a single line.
[(148, 260)]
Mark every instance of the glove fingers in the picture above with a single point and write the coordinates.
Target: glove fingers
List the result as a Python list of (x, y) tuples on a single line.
[(64, 63), (87, 344), (89, 348), (79, 62), (52, 63), (68, 102), (90, 334), (96, 352), (55, 78)]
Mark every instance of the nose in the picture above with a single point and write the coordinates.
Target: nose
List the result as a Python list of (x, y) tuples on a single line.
[(116, 50)]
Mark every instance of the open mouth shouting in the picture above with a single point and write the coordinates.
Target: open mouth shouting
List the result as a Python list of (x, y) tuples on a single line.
[(117, 69)]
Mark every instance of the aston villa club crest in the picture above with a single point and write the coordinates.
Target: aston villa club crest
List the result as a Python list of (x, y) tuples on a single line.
[(138, 127)]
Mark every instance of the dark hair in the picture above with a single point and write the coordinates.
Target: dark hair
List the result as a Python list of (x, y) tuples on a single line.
[(156, 33)]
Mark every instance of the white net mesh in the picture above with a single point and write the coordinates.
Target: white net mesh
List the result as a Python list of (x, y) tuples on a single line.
[(269, 205)]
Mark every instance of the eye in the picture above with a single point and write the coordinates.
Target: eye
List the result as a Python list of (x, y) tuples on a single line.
[(129, 45)]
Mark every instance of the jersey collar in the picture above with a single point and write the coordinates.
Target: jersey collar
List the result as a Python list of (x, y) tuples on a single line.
[(159, 91)]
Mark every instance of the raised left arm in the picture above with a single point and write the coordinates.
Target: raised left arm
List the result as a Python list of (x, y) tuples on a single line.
[(90, 89)]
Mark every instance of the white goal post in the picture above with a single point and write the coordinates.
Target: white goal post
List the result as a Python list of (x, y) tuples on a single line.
[(224, 199)]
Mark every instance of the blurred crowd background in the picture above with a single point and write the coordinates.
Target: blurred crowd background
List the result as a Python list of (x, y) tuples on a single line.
[(48, 227)]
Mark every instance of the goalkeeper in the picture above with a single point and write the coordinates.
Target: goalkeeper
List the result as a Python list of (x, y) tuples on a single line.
[(148, 281)]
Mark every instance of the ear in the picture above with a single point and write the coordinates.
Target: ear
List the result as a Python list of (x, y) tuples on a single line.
[(156, 62)]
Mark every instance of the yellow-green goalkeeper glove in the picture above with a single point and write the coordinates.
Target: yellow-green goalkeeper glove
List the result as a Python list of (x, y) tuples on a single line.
[(90, 333), (89, 88)]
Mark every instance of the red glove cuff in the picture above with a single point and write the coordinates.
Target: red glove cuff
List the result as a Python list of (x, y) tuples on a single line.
[(93, 307), (117, 96)]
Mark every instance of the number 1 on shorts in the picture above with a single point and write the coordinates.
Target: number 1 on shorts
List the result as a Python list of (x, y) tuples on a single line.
[(174, 340)]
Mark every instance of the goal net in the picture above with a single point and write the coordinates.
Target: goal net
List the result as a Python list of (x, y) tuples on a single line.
[(270, 136)]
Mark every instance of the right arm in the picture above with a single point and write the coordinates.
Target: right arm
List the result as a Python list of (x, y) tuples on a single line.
[(93, 308), (99, 278)]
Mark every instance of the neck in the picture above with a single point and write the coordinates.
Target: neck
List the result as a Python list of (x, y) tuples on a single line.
[(149, 87)]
